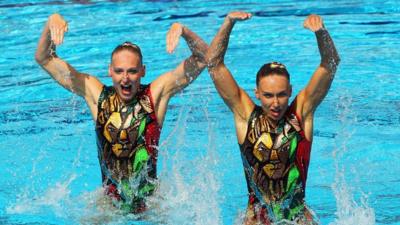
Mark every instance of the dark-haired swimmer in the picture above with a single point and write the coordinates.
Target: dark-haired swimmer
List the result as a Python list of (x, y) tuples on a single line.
[(128, 115), (274, 138)]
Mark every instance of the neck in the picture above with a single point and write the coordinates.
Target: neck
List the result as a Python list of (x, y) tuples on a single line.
[(272, 123)]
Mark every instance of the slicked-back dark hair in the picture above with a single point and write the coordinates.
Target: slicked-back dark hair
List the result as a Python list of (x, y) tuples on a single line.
[(272, 68), (130, 47)]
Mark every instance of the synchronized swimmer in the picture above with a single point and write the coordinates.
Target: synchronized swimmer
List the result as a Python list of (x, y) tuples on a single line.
[(128, 115), (274, 137)]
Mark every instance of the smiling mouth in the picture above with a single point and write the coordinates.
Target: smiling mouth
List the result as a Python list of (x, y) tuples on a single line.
[(126, 87)]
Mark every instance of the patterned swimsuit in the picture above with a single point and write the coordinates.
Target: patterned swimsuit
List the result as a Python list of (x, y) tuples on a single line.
[(127, 140), (276, 162)]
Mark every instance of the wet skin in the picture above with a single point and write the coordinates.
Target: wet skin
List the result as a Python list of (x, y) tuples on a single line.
[(126, 70), (274, 92)]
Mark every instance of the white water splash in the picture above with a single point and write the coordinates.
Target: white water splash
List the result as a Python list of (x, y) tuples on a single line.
[(349, 211), (188, 186), (55, 198)]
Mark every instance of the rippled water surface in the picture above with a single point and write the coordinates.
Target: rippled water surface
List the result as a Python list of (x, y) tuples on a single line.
[(49, 172)]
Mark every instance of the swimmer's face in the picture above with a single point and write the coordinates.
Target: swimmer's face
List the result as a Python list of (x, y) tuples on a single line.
[(126, 70), (274, 92)]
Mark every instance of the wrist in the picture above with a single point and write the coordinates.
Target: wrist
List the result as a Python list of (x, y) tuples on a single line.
[(184, 29), (230, 20), (321, 31)]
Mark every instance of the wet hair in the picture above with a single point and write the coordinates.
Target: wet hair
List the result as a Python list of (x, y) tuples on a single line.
[(130, 47), (272, 68)]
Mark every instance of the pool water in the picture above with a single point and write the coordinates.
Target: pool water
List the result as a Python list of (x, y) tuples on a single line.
[(49, 171)]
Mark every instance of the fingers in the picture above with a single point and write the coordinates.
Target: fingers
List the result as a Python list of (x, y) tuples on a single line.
[(239, 16), (57, 35), (57, 27), (63, 32), (170, 45), (245, 16), (313, 22), (173, 37), (52, 35)]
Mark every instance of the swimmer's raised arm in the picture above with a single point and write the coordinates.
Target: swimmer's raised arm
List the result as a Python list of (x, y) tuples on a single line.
[(235, 97), (82, 84), (317, 88), (187, 71)]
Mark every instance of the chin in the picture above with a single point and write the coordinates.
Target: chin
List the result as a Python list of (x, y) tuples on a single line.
[(126, 98), (275, 119)]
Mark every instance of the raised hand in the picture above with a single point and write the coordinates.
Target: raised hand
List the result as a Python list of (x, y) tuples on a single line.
[(57, 26), (173, 35), (238, 16), (313, 22)]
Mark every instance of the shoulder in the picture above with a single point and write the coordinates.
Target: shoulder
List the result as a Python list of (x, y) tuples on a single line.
[(296, 115), (144, 90), (145, 98), (299, 107), (106, 92), (257, 110), (293, 105), (108, 89), (293, 117), (294, 108)]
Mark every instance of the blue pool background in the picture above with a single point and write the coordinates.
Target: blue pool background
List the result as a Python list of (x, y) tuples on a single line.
[(49, 172)]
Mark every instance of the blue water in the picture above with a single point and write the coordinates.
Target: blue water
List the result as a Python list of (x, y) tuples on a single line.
[(49, 172)]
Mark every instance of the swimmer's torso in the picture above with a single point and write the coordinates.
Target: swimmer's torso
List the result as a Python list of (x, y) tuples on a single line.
[(127, 140), (276, 162)]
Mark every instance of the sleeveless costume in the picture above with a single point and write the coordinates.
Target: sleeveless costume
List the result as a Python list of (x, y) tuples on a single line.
[(275, 161), (127, 140)]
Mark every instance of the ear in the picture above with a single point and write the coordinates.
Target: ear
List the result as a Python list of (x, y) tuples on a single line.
[(257, 93), (143, 70), (109, 70), (290, 91)]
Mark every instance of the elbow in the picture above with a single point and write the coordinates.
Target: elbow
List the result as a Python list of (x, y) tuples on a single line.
[(41, 59), (336, 58), (335, 63)]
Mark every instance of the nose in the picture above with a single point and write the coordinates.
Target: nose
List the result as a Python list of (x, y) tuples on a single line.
[(275, 101), (125, 76)]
